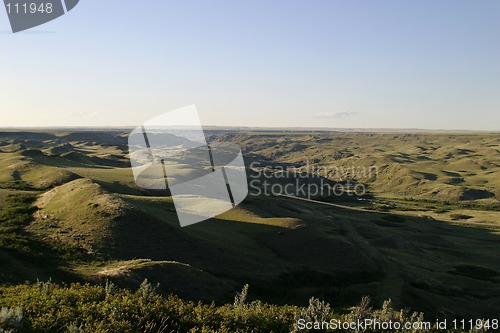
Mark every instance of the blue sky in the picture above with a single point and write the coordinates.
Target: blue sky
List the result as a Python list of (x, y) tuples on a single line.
[(282, 63)]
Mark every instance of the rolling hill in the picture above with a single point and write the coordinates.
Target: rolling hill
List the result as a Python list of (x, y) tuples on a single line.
[(94, 224)]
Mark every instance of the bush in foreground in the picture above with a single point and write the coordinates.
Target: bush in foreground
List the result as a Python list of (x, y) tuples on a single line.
[(48, 307)]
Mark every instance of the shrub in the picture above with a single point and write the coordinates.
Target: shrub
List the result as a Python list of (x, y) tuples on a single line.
[(43, 287), (110, 288), (146, 289), (75, 329), (11, 319), (241, 298), (84, 308), (363, 310), (318, 311)]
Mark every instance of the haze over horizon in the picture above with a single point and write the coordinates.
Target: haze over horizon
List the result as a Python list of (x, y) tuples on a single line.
[(257, 128), (322, 64)]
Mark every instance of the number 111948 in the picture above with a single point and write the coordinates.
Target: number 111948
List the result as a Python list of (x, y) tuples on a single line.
[(29, 8)]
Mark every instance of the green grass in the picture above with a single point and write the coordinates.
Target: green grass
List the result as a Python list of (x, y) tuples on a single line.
[(22, 256), (409, 164), (16, 215), (88, 229)]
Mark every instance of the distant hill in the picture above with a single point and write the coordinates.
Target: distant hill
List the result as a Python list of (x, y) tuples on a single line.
[(105, 138), (441, 167), (425, 236)]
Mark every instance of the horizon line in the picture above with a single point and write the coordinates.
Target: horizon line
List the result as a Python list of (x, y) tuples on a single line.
[(258, 128)]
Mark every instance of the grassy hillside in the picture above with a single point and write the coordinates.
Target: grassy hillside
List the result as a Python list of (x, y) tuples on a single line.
[(431, 172), (427, 166), (426, 239)]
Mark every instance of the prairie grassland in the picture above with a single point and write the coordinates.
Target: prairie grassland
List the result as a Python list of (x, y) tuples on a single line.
[(422, 245)]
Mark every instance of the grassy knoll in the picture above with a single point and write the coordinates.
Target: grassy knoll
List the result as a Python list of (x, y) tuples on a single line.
[(70, 210)]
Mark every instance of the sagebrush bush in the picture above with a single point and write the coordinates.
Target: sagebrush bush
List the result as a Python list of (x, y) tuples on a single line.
[(75, 329), (11, 319), (241, 298), (49, 307), (146, 289), (110, 288), (86, 308), (317, 311)]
